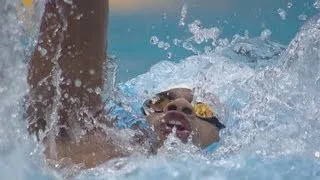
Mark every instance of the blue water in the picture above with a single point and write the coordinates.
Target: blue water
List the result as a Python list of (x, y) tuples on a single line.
[(130, 33), (265, 89)]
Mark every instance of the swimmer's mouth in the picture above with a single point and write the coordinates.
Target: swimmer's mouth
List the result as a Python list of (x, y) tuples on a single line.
[(181, 124)]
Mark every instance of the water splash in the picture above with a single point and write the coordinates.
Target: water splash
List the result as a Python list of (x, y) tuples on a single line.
[(266, 94), (183, 15), (17, 156), (272, 113)]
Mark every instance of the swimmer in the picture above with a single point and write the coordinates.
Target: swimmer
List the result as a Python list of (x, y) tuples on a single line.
[(66, 70), (175, 109)]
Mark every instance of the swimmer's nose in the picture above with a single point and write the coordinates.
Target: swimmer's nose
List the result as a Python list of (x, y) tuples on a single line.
[(179, 105)]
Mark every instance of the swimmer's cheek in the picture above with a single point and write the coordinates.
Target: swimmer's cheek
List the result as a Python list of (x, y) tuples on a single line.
[(207, 134)]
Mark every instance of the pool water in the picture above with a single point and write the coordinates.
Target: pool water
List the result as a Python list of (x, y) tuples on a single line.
[(130, 33), (260, 66)]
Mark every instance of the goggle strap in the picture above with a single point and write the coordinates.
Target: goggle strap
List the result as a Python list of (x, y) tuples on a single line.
[(215, 121)]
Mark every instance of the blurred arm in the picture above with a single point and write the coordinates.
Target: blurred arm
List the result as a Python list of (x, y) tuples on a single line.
[(66, 76)]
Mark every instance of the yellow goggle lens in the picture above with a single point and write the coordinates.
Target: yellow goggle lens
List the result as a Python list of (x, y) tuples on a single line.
[(203, 110), (27, 3)]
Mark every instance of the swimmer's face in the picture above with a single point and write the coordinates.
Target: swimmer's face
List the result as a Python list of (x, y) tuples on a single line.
[(173, 109)]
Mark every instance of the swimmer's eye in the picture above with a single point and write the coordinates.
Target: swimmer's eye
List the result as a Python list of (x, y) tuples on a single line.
[(201, 110), (155, 105), (187, 110)]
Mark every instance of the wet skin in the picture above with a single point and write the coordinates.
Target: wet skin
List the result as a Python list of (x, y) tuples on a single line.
[(179, 114)]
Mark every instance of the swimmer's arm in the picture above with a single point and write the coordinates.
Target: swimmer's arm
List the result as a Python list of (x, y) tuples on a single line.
[(66, 71)]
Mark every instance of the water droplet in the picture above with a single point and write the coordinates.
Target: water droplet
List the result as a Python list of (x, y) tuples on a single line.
[(166, 46), (42, 51), (187, 46), (198, 38), (317, 154), (175, 174), (164, 16), (77, 82), (161, 44), (302, 17), (154, 40), (68, 2), (265, 34), (282, 14), (183, 15), (176, 42), (169, 55), (79, 16), (195, 27), (97, 90), (92, 71), (246, 34), (316, 4), (223, 42), (289, 5), (317, 83)]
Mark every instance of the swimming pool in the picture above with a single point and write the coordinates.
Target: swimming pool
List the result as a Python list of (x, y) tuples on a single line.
[(270, 91), (130, 33)]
